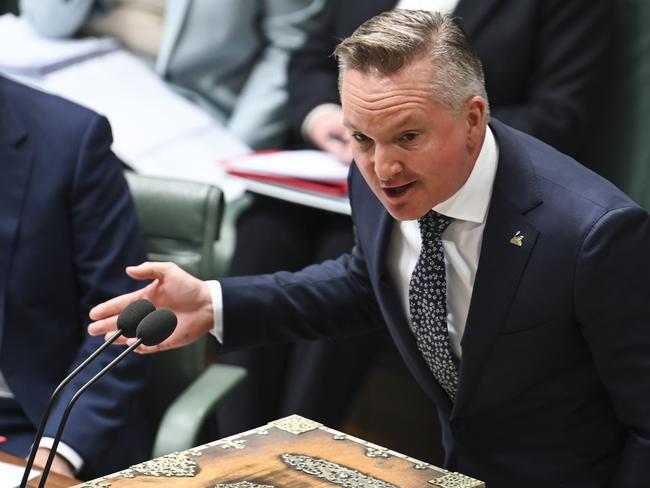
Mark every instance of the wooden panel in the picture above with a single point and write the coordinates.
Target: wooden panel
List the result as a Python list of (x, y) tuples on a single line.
[(292, 452)]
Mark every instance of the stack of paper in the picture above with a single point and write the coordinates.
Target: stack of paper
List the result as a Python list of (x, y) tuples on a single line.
[(25, 53), (307, 170), (156, 131)]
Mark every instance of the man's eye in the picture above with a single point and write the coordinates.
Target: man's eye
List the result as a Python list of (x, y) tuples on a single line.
[(361, 138), (410, 137)]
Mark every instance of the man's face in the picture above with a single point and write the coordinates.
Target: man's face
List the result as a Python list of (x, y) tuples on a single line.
[(412, 151)]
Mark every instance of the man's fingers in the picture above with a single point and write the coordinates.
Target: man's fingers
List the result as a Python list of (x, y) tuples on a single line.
[(149, 270), (105, 326), (142, 349), (344, 154), (115, 305), (119, 341), (340, 150)]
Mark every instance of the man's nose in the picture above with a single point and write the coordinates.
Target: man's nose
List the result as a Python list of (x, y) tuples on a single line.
[(387, 162)]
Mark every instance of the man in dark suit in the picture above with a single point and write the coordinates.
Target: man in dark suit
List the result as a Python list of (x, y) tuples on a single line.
[(513, 280), (541, 59), (67, 230)]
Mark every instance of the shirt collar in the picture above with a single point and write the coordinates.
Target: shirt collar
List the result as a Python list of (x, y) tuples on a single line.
[(471, 201)]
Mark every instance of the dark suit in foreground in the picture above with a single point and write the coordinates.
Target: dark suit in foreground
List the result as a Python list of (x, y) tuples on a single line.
[(555, 376), (541, 59), (67, 230)]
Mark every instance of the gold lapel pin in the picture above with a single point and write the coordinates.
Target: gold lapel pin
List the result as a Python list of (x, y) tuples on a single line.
[(517, 239)]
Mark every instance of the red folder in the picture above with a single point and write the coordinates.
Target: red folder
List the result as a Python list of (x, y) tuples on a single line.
[(324, 186), (337, 188)]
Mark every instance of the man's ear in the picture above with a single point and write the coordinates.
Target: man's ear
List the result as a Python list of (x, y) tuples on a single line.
[(475, 116)]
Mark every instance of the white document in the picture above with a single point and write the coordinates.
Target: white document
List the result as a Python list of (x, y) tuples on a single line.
[(11, 475), (144, 112), (155, 130), (26, 53), (194, 158), (305, 164)]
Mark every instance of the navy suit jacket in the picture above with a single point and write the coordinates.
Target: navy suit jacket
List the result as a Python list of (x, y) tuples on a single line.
[(541, 60), (555, 374), (67, 230)]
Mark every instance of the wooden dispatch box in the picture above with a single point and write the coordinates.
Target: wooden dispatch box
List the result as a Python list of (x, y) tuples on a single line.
[(293, 452)]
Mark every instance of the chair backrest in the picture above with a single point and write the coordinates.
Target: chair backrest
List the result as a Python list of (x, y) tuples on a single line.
[(180, 221)]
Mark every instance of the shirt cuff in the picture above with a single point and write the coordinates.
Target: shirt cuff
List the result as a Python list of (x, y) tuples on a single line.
[(66, 451), (217, 309), (313, 114)]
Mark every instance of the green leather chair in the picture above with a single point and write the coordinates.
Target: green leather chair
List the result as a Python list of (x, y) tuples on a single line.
[(180, 221)]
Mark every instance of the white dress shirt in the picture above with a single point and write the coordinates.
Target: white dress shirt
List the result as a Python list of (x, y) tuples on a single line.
[(461, 243)]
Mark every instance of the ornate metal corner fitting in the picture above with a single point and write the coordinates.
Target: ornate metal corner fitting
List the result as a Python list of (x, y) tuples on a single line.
[(456, 480), (332, 472), (295, 424), (234, 444), (95, 484), (174, 465), (374, 452), (242, 484)]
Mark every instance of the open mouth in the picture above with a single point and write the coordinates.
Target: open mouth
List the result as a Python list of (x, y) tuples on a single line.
[(397, 191)]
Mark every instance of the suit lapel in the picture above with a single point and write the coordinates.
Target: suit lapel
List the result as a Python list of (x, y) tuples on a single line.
[(502, 262), (15, 166), (393, 311), (472, 14), (175, 14)]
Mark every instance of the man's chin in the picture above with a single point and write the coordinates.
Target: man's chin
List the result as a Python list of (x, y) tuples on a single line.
[(404, 212)]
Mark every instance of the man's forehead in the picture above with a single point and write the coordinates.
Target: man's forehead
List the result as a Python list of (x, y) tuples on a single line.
[(398, 119), (361, 95), (421, 69)]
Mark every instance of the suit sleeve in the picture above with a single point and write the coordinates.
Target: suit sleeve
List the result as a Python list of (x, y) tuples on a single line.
[(570, 46), (106, 238), (325, 300), (56, 18), (260, 113), (613, 306)]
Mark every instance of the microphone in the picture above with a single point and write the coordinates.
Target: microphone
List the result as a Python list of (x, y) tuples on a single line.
[(152, 330), (127, 324)]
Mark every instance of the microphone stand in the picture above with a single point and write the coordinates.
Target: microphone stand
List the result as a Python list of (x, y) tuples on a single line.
[(68, 408), (48, 408)]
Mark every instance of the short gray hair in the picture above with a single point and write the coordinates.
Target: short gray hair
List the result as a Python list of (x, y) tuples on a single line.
[(397, 38)]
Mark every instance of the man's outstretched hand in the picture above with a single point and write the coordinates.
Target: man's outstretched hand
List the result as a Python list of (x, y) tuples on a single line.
[(189, 298)]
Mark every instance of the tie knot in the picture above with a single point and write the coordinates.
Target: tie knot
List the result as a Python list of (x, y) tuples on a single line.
[(433, 223)]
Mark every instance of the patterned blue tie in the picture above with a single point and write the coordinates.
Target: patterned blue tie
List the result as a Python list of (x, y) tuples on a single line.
[(428, 304)]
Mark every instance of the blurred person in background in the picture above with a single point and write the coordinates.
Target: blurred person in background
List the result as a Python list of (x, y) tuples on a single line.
[(229, 56)]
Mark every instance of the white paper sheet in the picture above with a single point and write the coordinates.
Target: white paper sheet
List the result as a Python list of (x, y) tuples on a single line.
[(144, 112), (11, 475), (24, 52)]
